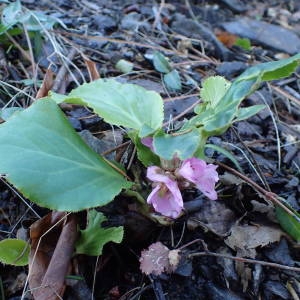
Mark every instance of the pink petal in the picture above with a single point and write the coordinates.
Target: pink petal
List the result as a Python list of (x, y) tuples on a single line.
[(202, 175), (168, 204)]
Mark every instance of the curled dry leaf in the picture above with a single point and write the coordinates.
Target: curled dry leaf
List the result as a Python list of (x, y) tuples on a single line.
[(52, 246), (158, 259), (92, 68), (46, 85)]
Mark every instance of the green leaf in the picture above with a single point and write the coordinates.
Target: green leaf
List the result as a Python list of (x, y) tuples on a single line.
[(271, 70), (145, 155), (127, 105), (11, 14), (6, 113), (243, 43), (213, 90), (161, 63), (289, 223), (243, 86), (183, 145), (94, 237), (50, 164), (225, 153), (172, 81), (14, 252), (247, 112), (124, 66)]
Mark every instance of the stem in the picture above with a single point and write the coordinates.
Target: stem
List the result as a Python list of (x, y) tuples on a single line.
[(245, 260), (135, 194), (268, 195)]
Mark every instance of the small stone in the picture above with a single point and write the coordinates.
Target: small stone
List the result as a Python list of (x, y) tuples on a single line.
[(104, 23), (133, 21), (273, 36), (231, 69)]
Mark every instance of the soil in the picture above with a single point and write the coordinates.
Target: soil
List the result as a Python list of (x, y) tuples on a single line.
[(199, 38)]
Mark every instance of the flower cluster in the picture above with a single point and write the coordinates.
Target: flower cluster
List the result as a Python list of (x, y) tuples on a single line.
[(166, 197)]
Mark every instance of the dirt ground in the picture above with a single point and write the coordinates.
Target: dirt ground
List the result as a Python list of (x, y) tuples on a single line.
[(199, 38)]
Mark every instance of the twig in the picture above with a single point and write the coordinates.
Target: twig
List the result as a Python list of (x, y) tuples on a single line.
[(245, 260), (62, 71), (269, 195), (18, 46), (117, 41), (115, 148), (183, 113), (263, 178), (284, 93), (181, 97)]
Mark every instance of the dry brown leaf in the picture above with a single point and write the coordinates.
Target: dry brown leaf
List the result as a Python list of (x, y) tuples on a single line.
[(246, 238), (52, 246), (46, 85), (213, 216), (226, 38), (158, 259), (92, 68)]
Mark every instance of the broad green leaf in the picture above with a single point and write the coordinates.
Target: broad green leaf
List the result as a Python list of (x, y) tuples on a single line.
[(161, 63), (225, 153), (43, 156), (183, 145), (213, 89), (247, 112), (243, 86), (271, 70), (94, 237), (14, 252), (172, 81), (289, 223), (6, 113), (127, 105), (11, 14), (145, 155)]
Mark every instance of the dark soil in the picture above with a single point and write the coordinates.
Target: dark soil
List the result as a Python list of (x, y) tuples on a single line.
[(198, 38)]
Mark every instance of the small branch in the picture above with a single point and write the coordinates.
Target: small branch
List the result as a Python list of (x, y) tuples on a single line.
[(115, 148), (269, 195), (245, 260), (60, 77)]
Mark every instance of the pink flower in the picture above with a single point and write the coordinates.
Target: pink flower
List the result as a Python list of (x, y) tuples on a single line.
[(203, 175), (165, 197)]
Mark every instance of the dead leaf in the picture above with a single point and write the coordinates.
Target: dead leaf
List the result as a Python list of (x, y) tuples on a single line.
[(52, 246), (246, 238), (226, 38), (213, 216), (92, 68), (158, 259), (46, 85)]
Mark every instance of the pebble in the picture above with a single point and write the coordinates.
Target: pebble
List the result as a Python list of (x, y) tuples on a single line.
[(273, 36)]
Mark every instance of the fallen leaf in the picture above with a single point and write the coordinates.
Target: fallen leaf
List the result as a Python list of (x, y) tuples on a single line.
[(52, 245), (246, 238), (158, 259), (213, 216), (92, 69), (226, 38), (46, 85)]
